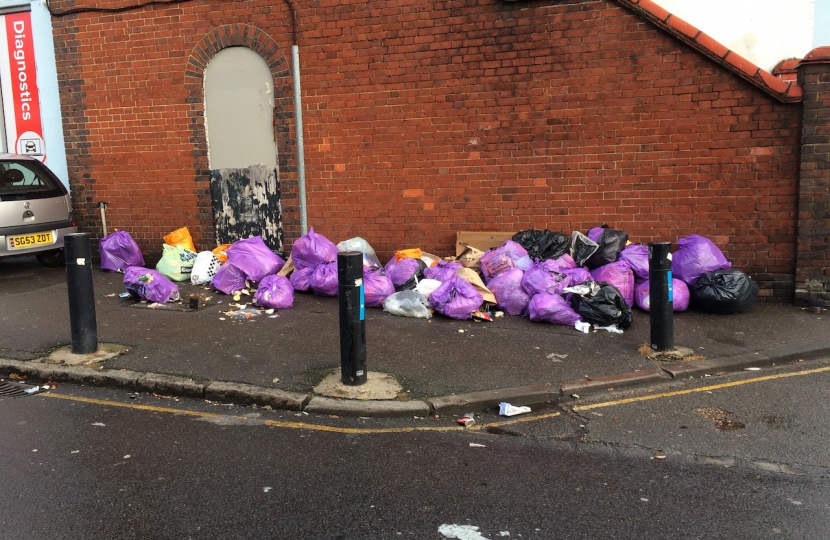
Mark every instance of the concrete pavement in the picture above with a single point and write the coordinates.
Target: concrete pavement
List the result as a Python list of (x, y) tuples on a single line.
[(444, 366)]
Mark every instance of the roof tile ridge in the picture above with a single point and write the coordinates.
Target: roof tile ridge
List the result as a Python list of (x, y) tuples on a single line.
[(697, 39)]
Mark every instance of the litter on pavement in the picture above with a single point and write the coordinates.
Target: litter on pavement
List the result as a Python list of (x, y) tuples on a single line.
[(582, 280)]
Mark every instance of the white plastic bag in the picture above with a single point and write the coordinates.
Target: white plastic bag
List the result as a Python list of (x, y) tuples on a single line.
[(408, 304), (204, 268), (359, 244), (176, 263), (427, 286)]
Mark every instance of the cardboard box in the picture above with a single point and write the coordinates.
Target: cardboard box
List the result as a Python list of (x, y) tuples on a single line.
[(480, 240)]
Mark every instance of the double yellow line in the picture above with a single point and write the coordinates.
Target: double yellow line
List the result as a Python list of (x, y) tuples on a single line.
[(298, 425), (287, 424)]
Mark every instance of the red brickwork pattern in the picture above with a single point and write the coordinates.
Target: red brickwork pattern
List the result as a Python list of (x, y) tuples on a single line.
[(423, 118), (813, 275)]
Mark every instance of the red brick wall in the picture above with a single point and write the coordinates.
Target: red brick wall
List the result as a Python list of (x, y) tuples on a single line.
[(813, 267), (423, 118)]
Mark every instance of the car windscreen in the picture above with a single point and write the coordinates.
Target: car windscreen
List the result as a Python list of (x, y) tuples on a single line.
[(20, 180)]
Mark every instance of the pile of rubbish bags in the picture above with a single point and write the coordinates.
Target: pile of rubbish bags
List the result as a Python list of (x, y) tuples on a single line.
[(594, 278)]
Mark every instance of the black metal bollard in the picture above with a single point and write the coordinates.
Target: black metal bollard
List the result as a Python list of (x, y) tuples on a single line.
[(661, 296), (352, 319), (81, 294)]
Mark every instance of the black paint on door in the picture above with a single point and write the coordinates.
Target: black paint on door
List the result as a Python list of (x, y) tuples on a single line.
[(246, 202)]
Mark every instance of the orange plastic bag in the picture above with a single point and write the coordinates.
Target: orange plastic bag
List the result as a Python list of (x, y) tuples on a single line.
[(414, 253), (180, 237), (220, 253)]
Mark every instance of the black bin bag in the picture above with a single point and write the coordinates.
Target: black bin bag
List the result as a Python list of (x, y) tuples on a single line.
[(542, 245), (604, 307), (611, 242), (724, 292)]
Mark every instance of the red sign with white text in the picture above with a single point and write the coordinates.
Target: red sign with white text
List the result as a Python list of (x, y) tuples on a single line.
[(21, 50)]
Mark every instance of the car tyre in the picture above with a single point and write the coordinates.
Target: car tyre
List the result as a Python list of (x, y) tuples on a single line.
[(51, 259)]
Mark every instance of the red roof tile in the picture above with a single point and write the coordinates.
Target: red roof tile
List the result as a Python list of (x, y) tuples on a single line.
[(776, 84), (708, 46), (683, 27)]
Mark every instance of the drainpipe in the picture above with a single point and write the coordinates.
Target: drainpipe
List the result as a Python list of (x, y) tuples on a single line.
[(298, 116), (103, 207)]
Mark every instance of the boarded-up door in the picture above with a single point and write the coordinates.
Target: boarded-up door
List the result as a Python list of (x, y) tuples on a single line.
[(239, 117)]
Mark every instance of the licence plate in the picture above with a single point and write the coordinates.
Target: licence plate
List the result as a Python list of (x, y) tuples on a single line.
[(28, 240)]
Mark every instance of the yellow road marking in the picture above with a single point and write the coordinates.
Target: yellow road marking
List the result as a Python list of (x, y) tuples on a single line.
[(300, 425), (701, 389)]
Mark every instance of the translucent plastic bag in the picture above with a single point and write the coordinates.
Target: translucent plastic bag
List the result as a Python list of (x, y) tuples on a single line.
[(180, 237), (545, 277), (510, 294), (407, 304), (620, 275), (119, 251), (357, 243), (253, 257), (312, 249), (696, 256), (301, 279), (274, 292), (552, 308), (150, 285), (456, 298), (228, 279), (376, 287), (324, 279), (680, 295), (176, 263), (636, 257)]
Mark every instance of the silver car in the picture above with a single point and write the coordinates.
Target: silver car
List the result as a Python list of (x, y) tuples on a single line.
[(35, 210)]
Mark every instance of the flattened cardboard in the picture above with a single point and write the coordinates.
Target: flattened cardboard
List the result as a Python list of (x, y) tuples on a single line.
[(480, 240)]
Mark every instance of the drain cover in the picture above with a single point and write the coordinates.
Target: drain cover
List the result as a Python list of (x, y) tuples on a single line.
[(13, 389)]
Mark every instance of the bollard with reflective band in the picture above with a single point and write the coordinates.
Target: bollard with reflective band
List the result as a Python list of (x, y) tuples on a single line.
[(352, 318), (81, 295), (661, 297)]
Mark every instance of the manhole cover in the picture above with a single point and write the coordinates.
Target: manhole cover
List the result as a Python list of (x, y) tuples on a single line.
[(13, 389)]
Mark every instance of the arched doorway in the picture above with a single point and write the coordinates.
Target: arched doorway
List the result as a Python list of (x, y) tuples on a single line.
[(242, 151)]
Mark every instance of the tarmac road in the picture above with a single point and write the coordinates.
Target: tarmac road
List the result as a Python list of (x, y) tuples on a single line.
[(96, 463)]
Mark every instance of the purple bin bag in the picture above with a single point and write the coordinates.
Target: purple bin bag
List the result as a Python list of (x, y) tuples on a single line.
[(510, 255), (301, 279), (150, 285), (442, 271), (119, 251), (324, 279), (680, 295), (578, 275), (402, 271), (253, 257), (509, 293), (545, 277), (697, 255), (311, 250), (565, 262), (274, 292), (228, 278), (376, 287), (636, 257), (455, 298), (595, 233), (620, 276), (552, 308)]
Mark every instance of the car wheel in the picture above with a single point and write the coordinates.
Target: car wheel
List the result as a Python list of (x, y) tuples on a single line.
[(51, 259)]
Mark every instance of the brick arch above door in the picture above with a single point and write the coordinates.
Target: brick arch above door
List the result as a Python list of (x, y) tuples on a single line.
[(243, 35)]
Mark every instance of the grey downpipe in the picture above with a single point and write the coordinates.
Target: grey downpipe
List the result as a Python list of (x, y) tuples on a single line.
[(298, 117)]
